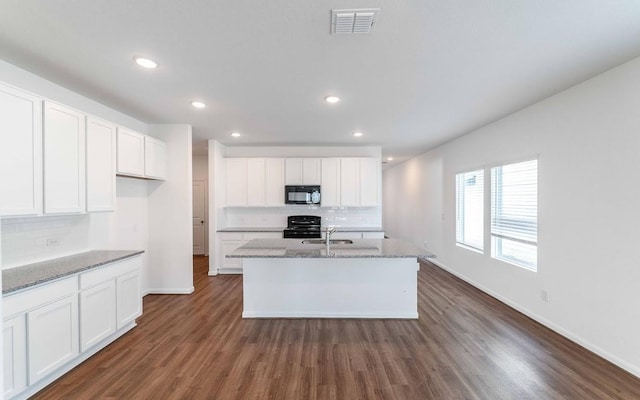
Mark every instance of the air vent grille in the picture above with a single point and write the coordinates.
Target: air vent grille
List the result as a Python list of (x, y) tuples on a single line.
[(353, 21)]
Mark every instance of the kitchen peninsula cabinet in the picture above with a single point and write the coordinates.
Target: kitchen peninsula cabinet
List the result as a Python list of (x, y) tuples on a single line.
[(20, 152), (64, 160)]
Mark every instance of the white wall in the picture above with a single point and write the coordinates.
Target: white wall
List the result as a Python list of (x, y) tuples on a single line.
[(588, 142), (170, 215)]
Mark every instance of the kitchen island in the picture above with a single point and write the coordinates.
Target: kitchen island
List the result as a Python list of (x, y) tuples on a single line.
[(367, 278)]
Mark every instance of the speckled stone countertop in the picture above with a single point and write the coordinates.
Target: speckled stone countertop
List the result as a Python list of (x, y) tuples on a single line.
[(360, 248), (18, 278)]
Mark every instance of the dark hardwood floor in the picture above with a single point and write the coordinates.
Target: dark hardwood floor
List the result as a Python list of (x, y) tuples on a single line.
[(466, 345)]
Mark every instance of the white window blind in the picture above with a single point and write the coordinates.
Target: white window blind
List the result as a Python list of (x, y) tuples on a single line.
[(470, 209), (514, 213)]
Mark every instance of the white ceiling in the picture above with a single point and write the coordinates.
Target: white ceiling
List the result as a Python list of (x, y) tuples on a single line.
[(431, 70)]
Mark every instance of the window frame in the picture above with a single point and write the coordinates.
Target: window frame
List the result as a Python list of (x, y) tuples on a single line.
[(466, 244)]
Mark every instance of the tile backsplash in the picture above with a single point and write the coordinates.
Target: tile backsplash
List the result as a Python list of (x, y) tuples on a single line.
[(277, 216), (33, 239)]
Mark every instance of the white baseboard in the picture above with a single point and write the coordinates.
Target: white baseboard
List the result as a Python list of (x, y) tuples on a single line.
[(213, 272), (633, 369), (171, 290), (229, 271)]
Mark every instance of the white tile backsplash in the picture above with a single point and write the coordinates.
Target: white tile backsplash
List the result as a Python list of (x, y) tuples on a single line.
[(260, 217), (33, 239)]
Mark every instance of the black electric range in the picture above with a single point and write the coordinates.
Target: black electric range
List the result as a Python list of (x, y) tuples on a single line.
[(303, 227)]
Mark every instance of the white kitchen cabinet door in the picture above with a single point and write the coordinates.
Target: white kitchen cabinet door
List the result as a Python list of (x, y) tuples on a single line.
[(52, 336), (14, 351), (274, 182), (155, 158), (311, 171), (236, 182), (130, 153), (349, 182), (370, 169), (330, 184), (97, 314), (302, 171), (255, 182), (129, 299), (64, 160), (101, 165), (293, 171), (20, 153)]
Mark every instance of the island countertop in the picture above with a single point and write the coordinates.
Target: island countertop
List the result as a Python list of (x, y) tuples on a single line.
[(360, 248)]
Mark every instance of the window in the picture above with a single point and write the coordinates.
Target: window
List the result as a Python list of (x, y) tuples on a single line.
[(470, 209), (514, 213)]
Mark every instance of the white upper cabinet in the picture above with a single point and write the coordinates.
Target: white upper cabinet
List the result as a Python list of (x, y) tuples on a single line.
[(155, 158), (130, 153), (330, 186), (302, 171), (350, 182), (101, 165), (274, 182), (20, 153), (141, 156), (64, 160), (255, 182), (236, 182)]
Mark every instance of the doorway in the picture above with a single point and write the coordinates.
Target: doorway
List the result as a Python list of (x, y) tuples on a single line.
[(199, 218)]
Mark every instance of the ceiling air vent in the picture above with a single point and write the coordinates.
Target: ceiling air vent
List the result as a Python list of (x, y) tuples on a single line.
[(353, 21)]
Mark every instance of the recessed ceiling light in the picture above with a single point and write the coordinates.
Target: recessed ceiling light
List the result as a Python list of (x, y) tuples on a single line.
[(357, 134), (332, 99), (145, 62), (198, 104), (389, 158), (235, 134)]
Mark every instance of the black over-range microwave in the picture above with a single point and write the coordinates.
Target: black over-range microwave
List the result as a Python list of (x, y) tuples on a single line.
[(302, 194)]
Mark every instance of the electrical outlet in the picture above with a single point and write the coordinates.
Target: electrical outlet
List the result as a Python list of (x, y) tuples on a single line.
[(53, 242), (544, 295)]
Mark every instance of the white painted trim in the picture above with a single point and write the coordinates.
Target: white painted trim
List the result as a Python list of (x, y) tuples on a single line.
[(250, 314), (554, 327), (229, 271), (213, 272), (171, 290)]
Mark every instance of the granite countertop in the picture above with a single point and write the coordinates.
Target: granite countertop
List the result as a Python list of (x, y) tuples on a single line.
[(361, 248), (18, 278), (276, 229)]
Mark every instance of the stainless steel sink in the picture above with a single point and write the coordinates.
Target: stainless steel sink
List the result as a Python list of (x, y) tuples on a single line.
[(323, 241)]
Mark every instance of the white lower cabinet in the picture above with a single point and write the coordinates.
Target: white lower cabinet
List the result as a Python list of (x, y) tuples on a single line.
[(52, 337), (50, 328), (14, 350), (129, 298), (97, 314), (229, 241)]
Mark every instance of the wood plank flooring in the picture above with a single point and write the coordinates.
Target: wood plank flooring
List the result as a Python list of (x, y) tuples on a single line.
[(466, 345)]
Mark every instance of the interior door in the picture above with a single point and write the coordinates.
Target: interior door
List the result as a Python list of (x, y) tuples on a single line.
[(199, 217)]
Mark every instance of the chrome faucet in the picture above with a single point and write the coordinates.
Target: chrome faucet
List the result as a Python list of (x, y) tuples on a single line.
[(330, 231)]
